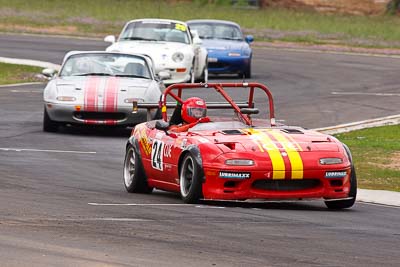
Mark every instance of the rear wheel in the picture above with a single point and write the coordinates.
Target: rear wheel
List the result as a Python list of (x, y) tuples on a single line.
[(48, 124), (345, 204), (135, 180), (190, 180)]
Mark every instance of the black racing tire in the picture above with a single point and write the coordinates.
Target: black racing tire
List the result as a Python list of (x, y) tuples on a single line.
[(204, 76), (247, 72), (192, 76), (348, 203), (134, 178), (190, 180), (48, 124), (192, 72)]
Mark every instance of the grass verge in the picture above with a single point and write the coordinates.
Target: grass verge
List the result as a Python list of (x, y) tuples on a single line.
[(11, 73), (376, 154), (86, 17)]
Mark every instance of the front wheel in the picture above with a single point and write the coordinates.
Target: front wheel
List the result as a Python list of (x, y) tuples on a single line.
[(247, 72), (190, 180), (192, 75), (345, 204), (48, 124), (135, 180), (204, 76)]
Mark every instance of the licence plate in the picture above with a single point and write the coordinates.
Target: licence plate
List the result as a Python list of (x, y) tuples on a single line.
[(212, 59)]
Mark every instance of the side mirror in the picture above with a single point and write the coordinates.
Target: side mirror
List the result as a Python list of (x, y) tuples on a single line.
[(249, 39), (109, 39), (49, 73), (162, 125), (164, 75), (196, 38)]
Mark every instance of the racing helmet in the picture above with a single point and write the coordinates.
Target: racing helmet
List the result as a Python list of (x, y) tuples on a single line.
[(193, 109)]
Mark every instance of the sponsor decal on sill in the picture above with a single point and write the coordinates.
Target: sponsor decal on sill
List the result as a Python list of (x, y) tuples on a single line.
[(234, 175)]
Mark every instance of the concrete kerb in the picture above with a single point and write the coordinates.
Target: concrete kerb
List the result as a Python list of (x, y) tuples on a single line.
[(363, 195), (30, 62), (343, 128)]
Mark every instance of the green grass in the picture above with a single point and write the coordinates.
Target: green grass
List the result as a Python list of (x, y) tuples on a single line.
[(11, 73), (100, 17), (376, 154)]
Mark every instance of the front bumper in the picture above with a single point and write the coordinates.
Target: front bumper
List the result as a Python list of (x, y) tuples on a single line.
[(260, 187), (227, 65), (177, 74), (67, 113)]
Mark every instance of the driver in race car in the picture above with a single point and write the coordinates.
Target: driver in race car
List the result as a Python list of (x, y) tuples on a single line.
[(193, 111)]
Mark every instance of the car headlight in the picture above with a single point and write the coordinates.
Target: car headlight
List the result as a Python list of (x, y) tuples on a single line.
[(65, 98), (234, 54), (330, 161), (178, 57), (239, 162)]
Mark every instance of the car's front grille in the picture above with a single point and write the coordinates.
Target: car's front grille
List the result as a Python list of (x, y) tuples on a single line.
[(85, 115), (217, 65), (286, 185)]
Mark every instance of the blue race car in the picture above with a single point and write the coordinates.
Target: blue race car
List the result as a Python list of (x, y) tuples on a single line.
[(228, 51)]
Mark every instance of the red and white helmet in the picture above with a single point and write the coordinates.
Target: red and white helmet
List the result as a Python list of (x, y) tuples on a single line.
[(193, 109)]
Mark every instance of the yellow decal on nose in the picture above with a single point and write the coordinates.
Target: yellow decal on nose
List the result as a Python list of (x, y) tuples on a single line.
[(263, 140), (292, 150)]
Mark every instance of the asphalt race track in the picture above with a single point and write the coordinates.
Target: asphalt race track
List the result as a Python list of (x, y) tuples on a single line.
[(62, 201)]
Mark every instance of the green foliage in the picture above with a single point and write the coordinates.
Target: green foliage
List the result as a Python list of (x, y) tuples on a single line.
[(376, 154), (393, 7), (11, 73), (100, 17)]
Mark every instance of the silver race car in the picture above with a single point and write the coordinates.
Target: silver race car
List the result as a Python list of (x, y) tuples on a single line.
[(99, 88)]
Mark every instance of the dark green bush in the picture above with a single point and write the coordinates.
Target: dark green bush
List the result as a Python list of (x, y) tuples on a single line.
[(393, 7)]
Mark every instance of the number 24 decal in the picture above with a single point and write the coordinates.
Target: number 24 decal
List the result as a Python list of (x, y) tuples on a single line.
[(157, 155)]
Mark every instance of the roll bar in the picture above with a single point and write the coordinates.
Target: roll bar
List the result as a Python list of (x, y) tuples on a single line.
[(219, 87), (243, 109)]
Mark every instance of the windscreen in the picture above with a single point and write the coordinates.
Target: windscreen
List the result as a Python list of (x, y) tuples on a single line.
[(106, 65), (156, 31), (217, 31)]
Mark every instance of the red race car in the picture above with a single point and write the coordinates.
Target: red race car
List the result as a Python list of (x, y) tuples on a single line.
[(233, 156)]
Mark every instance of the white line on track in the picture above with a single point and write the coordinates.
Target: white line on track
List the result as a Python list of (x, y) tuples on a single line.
[(112, 219), (360, 93), (135, 204), (26, 91), (155, 205), (7, 149)]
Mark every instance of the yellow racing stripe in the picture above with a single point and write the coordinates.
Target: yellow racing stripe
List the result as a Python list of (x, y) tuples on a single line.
[(278, 164), (292, 149)]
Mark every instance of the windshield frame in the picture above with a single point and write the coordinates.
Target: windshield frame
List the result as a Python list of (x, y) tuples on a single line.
[(88, 54), (179, 27), (213, 25)]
